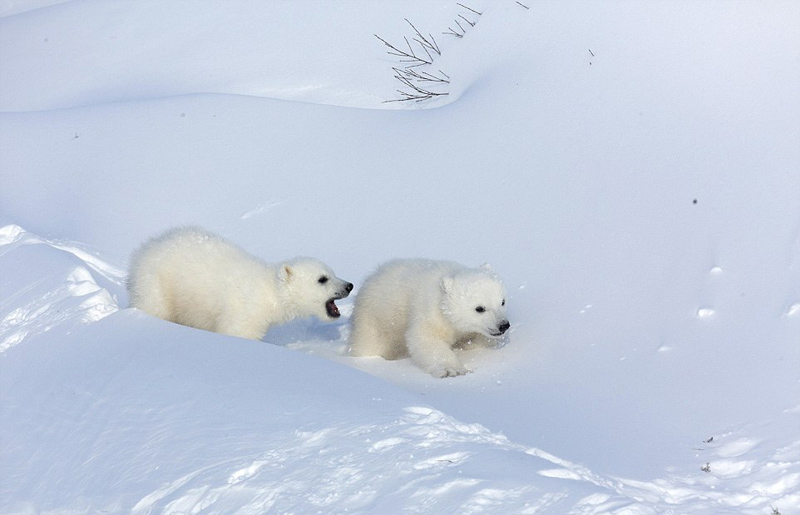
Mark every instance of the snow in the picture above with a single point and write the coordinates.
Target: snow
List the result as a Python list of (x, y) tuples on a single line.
[(631, 169)]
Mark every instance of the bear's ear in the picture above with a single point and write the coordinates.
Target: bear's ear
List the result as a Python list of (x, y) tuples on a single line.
[(447, 284), (285, 273), (486, 267)]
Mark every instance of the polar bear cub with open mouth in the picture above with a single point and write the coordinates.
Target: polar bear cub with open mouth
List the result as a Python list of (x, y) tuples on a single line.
[(424, 309), (192, 277)]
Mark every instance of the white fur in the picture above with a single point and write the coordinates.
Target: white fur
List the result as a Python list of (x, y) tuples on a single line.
[(192, 277), (424, 309)]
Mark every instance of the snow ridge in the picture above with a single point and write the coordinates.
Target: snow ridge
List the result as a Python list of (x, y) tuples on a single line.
[(86, 290), (439, 463)]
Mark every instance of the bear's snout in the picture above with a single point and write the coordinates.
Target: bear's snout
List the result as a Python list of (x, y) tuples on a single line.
[(504, 326), (344, 291)]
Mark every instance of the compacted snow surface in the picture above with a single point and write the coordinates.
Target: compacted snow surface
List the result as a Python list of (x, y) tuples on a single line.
[(631, 170)]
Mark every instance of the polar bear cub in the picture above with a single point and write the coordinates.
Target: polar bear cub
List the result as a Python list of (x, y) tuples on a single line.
[(424, 309), (192, 277)]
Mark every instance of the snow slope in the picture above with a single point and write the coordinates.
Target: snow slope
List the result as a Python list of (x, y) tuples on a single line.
[(179, 421), (631, 169)]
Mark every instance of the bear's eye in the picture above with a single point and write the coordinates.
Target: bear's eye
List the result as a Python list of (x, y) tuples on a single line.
[(480, 309), (323, 279), (503, 303)]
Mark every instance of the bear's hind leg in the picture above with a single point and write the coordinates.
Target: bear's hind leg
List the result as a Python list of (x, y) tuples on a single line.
[(147, 294), (368, 340)]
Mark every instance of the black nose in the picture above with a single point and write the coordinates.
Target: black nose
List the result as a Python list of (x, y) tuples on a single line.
[(349, 287), (503, 327)]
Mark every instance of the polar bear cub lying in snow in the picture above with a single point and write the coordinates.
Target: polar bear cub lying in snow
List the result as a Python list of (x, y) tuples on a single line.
[(426, 308), (192, 277)]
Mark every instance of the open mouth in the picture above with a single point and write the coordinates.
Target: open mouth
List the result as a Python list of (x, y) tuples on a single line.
[(330, 305), (331, 308)]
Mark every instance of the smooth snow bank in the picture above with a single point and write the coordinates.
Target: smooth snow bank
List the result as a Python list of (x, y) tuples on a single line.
[(12, 7), (133, 414), (69, 54)]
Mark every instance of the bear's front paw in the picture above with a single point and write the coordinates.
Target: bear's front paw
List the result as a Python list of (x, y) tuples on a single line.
[(449, 370)]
